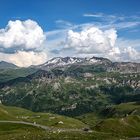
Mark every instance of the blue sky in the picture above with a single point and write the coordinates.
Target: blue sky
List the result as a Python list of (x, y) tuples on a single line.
[(57, 17), (46, 12)]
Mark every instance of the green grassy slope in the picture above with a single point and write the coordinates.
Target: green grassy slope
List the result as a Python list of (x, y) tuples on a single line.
[(122, 110), (130, 108), (25, 132), (119, 120), (91, 119), (10, 131), (53, 120), (9, 74), (13, 131), (109, 128), (128, 126)]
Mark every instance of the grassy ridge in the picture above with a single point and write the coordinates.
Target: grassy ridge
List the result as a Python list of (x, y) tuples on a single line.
[(128, 126), (119, 120), (122, 110), (52, 120)]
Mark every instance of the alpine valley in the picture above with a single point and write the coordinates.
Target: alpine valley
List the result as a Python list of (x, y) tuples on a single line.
[(70, 98)]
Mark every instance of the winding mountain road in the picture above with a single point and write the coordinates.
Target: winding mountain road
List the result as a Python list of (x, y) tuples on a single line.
[(43, 126)]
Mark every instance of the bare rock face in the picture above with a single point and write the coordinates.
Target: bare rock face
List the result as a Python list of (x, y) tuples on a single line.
[(56, 86), (126, 67)]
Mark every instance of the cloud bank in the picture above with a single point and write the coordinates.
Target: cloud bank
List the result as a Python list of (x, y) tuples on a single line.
[(22, 43), (94, 41), (24, 59)]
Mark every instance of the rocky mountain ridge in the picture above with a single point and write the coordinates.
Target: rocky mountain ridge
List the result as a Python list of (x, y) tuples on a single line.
[(67, 62), (106, 64)]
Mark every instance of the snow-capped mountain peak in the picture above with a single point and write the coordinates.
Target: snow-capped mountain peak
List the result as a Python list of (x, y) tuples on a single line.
[(60, 61), (67, 61)]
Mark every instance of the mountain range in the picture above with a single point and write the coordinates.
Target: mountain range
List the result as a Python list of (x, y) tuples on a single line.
[(65, 62), (95, 91)]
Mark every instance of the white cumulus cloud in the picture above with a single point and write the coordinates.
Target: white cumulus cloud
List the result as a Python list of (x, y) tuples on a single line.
[(91, 40), (22, 35), (94, 41), (22, 43), (124, 54)]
